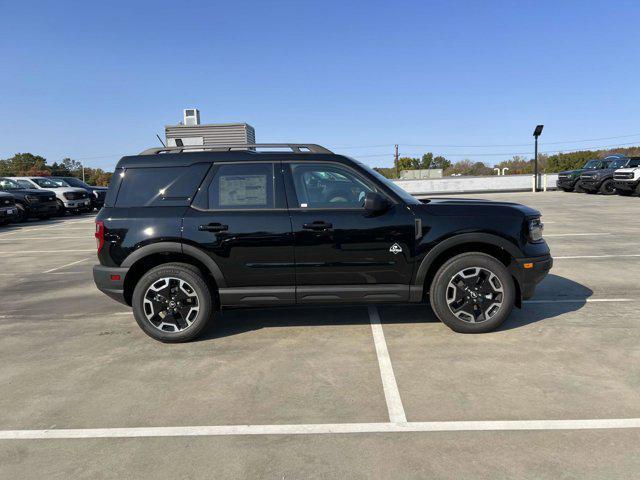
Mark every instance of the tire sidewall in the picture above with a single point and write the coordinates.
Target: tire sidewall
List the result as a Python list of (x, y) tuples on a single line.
[(453, 266), (187, 273)]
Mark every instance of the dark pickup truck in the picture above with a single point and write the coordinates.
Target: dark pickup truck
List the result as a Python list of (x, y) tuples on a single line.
[(30, 202)]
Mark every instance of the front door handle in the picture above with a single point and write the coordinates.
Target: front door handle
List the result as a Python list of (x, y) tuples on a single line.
[(318, 225), (213, 227)]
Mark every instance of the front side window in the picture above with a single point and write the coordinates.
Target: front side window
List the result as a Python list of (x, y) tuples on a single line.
[(242, 186), (326, 185), (8, 184)]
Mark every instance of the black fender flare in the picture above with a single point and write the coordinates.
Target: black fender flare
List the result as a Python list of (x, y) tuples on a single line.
[(461, 239), (176, 247)]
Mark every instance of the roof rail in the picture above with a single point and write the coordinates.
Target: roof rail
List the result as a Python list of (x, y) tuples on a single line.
[(294, 147)]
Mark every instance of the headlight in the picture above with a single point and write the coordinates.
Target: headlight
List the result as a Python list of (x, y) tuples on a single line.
[(535, 230)]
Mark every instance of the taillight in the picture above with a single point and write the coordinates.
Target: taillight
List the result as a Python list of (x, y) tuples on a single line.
[(99, 234)]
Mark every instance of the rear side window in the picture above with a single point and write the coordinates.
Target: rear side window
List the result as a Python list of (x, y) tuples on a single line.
[(159, 186), (242, 186)]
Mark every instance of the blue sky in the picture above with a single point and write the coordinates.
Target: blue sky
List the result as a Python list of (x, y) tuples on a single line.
[(97, 80)]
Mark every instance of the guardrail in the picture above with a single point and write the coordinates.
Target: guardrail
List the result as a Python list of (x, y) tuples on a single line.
[(495, 183)]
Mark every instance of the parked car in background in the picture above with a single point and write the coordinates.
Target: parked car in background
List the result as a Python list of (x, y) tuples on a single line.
[(69, 199), (601, 180), (96, 194), (260, 229), (569, 180), (30, 202), (8, 209), (627, 180)]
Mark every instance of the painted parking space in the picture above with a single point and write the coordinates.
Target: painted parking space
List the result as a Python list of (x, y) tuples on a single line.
[(301, 378)]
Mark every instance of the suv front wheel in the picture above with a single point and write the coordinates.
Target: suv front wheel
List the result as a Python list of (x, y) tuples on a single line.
[(172, 302), (472, 293)]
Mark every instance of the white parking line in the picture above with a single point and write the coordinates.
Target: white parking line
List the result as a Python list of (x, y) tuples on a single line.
[(22, 252), (322, 428), (581, 300), (572, 257), (89, 237), (391, 393), (68, 265), (575, 234)]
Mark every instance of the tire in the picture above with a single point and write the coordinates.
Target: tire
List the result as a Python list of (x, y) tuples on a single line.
[(578, 187), (23, 215), (145, 305), (624, 193), (491, 270), (607, 188)]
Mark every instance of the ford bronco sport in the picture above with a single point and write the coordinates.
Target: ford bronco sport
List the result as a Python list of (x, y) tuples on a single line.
[(184, 233), (626, 180), (602, 180)]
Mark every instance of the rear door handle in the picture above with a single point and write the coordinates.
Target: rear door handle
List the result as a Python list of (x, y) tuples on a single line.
[(318, 225), (213, 227)]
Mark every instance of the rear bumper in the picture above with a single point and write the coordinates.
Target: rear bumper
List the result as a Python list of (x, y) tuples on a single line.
[(529, 277), (110, 281)]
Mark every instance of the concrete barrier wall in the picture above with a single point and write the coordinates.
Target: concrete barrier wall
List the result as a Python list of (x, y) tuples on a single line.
[(502, 183)]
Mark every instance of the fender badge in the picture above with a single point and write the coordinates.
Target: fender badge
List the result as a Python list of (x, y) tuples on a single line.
[(395, 249)]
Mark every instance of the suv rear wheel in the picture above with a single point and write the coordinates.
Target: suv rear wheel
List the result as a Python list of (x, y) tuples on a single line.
[(172, 302), (472, 293)]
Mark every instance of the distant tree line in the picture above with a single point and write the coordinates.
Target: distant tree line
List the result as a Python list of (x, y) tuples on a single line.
[(517, 165), (28, 164)]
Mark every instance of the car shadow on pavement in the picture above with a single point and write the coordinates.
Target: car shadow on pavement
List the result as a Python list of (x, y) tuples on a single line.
[(555, 296)]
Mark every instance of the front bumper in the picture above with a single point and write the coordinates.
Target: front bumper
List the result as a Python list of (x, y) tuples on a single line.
[(566, 183), (42, 209), (110, 281), (625, 185), (8, 213), (529, 272), (591, 185), (77, 204)]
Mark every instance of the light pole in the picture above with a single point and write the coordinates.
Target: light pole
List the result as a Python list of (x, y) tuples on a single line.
[(536, 133)]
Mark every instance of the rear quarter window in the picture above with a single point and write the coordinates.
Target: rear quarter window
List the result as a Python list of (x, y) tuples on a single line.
[(157, 186)]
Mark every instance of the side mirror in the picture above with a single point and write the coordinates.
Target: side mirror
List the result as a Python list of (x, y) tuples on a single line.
[(375, 204)]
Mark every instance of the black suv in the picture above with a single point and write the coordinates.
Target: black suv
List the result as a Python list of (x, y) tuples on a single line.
[(96, 194), (30, 202), (185, 233), (601, 180), (569, 180)]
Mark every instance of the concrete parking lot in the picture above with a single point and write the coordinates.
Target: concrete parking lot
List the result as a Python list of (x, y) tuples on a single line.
[(349, 392)]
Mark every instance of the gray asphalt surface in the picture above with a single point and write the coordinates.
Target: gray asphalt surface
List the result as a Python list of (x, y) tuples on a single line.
[(70, 358)]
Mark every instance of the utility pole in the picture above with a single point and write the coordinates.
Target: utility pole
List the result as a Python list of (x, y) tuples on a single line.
[(536, 133), (395, 162)]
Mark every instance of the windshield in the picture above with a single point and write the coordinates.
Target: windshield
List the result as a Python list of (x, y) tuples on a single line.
[(47, 183), (619, 163), (7, 184), (592, 165), (74, 182), (390, 185)]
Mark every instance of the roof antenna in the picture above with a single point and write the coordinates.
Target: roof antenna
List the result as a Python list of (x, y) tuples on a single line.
[(160, 140)]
